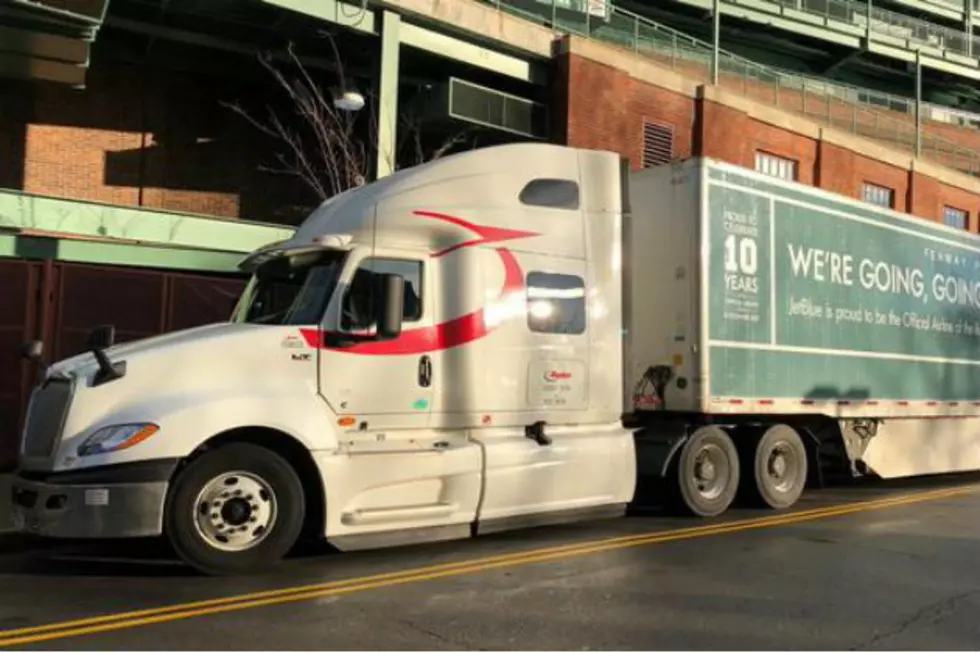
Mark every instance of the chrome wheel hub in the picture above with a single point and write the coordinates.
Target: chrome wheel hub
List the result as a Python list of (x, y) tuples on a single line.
[(235, 511)]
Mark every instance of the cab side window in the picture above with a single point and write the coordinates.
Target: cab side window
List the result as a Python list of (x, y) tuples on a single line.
[(360, 306), (555, 303)]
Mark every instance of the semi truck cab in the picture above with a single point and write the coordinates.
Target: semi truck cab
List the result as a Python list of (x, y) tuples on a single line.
[(435, 355)]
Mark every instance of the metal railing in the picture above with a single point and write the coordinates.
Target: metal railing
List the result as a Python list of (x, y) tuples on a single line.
[(889, 23), (860, 111)]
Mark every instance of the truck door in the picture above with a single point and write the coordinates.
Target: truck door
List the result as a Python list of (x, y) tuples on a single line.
[(382, 385), (399, 474), (577, 464)]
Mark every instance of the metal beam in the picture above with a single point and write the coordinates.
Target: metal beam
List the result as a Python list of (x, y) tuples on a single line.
[(918, 104), (85, 219), (387, 93), (45, 46), (20, 67), (422, 38), (334, 11), (715, 39), (91, 11), (843, 61), (217, 43), (471, 54), (109, 253), (968, 25)]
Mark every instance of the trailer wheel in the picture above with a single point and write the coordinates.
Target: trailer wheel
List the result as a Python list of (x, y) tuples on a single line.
[(235, 509), (780, 468), (705, 474)]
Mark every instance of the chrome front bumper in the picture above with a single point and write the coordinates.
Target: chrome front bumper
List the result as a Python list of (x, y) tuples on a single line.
[(115, 501)]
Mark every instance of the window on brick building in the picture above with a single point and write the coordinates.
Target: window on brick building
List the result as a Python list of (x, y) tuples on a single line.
[(957, 218), (775, 166), (879, 195), (658, 143)]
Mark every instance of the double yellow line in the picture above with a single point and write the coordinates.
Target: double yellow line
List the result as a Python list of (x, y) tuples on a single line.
[(136, 618)]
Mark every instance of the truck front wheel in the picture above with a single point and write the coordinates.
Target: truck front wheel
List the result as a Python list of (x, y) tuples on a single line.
[(705, 473), (235, 509)]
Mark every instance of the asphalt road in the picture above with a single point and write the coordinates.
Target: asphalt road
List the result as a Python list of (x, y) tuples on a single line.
[(884, 566)]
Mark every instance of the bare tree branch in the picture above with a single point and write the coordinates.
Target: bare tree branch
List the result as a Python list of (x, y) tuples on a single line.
[(327, 148)]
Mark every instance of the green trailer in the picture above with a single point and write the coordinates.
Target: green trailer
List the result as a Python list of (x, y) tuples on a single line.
[(756, 304)]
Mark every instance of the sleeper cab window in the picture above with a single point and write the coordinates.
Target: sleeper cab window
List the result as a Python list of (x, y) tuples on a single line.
[(555, 303), (551, 193), (361, 302)]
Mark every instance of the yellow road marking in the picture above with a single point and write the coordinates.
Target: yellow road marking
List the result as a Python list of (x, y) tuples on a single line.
[(133, 619)]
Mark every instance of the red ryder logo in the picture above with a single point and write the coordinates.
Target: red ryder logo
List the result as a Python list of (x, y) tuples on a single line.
[(555, 375)]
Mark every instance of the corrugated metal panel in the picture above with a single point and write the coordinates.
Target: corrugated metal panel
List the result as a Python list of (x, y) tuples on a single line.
[(197, 300), (18, 306), (89, 296), (76, 299), (658, 143)]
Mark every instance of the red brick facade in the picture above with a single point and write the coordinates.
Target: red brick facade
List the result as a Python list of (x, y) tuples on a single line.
[(606, 107), (149, 138)]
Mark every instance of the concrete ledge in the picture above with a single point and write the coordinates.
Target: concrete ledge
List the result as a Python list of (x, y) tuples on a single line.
[(637, 67), (480, 20), (758, 111)]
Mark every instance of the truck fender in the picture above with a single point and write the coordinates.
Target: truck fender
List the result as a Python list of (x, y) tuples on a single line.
[(656, 449)]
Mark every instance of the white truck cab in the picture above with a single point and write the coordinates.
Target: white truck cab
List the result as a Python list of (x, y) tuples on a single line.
[(434, 355)]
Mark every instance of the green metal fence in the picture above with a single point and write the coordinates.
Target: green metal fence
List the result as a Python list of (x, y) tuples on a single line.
[(889, 23), (886, 118)]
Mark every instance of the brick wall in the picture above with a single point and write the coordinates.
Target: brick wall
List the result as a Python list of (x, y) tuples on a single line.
[(145, 137), (952, 145), (606, 105)]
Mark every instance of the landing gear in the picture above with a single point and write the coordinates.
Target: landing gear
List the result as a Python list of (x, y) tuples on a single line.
[(704, 475), (238, 508), (779, 466)]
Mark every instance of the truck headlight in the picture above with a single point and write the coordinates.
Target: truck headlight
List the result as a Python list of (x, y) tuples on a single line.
[(116, 438)]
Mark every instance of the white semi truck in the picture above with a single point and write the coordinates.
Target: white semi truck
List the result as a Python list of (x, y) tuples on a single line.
[(519, 335)]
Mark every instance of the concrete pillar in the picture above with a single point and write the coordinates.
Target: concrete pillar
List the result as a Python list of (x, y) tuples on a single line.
[(387, 94)]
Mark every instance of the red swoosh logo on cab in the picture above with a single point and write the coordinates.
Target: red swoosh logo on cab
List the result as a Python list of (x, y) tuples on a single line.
[(458, 331)]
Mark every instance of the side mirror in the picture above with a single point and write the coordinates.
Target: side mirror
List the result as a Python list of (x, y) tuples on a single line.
[(391, 306), (33, 351), (102, 337)]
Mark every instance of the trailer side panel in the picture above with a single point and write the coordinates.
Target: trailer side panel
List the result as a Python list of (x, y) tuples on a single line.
[(821, 303)]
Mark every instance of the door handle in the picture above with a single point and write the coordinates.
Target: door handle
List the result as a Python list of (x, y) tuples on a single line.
[(425, 371)]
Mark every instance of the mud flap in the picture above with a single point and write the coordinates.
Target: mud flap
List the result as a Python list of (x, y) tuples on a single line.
[(654, 451)]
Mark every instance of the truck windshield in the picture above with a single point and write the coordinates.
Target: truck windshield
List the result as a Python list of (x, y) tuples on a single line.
[(291, 289)]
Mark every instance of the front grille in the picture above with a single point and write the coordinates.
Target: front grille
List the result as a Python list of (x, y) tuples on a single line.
[(46, 418)]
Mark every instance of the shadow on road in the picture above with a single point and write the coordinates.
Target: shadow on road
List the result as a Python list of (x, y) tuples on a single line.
[(153, 558)]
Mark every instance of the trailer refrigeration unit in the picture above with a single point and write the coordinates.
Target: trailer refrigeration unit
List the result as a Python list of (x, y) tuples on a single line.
[(519, 335)]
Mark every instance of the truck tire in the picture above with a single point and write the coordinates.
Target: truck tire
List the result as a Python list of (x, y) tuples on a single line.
[(236, 509), (704, 475), (779, 465)]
